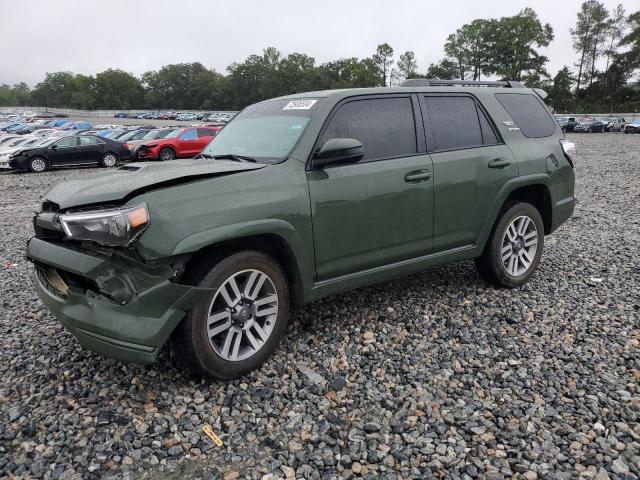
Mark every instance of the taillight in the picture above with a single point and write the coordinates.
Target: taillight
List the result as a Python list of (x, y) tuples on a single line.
[(567, 147)]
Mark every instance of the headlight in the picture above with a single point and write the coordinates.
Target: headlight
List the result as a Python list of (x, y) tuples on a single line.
[(114, 227)]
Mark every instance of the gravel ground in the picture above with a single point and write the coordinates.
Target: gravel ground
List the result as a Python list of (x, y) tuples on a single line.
[(434, 375)]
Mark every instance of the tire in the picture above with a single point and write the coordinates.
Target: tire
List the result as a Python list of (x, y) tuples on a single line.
[(237, 345), (38, 165), (166, 154), (491, 265), (109, 160)]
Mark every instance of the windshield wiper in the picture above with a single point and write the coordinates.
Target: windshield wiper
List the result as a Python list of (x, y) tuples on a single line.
[(235, 158), (204, 155)]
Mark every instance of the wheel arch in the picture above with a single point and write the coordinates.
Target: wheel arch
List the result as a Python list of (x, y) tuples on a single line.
[(283, 244), (534, 189)]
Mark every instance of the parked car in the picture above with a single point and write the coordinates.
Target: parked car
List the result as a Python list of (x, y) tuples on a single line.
[(298, 198), (183, 143), (5, 155), (155, 134), (614, 124), (589, 125), (633, 127), (74, 150), (77, 126), (566, 123)]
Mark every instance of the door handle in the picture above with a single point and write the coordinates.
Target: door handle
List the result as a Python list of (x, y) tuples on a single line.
[(499, 163), (417, 176)]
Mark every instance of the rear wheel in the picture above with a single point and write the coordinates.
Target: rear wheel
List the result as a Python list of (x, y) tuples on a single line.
[(38, 164), (109, 160), (514, 248), (166, 154), (239, 325)]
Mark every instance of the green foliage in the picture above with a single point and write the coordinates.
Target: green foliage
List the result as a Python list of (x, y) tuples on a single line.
[(445, 69), (383, 58)]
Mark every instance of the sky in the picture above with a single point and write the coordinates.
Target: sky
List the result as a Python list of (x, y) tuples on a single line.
[(90, 36)]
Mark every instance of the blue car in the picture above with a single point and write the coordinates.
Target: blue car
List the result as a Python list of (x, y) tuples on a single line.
[(18, 126), (60, 123), (77, 126)]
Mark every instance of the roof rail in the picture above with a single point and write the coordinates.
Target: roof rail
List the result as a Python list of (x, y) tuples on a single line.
[(434, 82)]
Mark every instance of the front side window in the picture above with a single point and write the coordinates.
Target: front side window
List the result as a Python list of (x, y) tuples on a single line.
[(454, 122), (189, 135), (66, 142), (205, 132), (266, 131), (384, 126)]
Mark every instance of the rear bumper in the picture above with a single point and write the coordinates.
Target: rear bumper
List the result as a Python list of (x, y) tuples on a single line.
[(127, 313)]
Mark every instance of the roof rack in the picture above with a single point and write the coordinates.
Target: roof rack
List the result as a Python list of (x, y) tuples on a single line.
[(434, 82)]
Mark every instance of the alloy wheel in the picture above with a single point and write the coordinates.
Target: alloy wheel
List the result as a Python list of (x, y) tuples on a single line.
[(38, 165), (519, 246), (242, 315), (109, 160)]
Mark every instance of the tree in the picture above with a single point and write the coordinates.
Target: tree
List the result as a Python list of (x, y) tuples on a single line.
[(383, 58), (631, 58), (179, 86), (560, 96), (116, 89), (407, 65), (64, 89), (615, 32), (446, 69), (587, 35), (469, 47), (513, 46)]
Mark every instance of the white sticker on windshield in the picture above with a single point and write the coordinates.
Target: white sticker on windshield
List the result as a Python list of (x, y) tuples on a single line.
[(299, 105)]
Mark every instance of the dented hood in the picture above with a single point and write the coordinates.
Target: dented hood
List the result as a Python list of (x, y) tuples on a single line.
[(135, 178)]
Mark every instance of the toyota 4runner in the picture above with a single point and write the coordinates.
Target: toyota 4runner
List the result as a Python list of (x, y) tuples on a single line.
[(298, 198)]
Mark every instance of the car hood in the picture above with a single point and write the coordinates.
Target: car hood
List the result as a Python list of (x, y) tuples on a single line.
[(134, 179)]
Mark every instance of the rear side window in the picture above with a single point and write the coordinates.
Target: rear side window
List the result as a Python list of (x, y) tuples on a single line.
[(384, 126), (205, 132), (454, 122), (89, 141), (528, 113)]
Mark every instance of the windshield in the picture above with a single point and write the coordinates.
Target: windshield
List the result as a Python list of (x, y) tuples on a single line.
[(151, 134), (266, 131)]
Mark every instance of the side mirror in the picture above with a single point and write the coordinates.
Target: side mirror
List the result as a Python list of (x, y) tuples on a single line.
[(53, 147), (337, 151)]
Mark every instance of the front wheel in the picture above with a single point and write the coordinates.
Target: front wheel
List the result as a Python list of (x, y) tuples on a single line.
[(37, 164), (235, 329), (166, 154), (514, 248)]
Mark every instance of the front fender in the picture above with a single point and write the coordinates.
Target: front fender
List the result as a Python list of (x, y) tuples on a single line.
[(301, 254)]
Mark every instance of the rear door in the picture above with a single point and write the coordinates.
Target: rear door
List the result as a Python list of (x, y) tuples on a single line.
[(205, 136), (91, 149), (188, 143), (470, 166), (380, 210)]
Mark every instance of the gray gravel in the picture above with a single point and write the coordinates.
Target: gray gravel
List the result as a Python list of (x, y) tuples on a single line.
[(432, 375)]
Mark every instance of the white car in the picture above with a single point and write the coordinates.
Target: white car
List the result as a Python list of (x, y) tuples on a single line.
[(18, 142), (5, 155)]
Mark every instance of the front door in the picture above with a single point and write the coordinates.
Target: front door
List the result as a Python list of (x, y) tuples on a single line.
[(188, 143), (380, 210), (64, 151)]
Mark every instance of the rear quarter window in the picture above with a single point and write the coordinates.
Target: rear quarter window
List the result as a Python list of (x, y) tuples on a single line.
[(529, 114)]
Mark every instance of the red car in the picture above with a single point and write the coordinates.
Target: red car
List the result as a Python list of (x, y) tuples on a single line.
[(181, 143)]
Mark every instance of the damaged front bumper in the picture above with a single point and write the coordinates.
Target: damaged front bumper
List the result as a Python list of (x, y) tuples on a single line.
[(115, 306)]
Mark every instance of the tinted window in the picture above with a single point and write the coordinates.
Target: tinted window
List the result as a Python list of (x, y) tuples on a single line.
[(67, 142), (528, 113), (488, 133), (205, 132), (454, 122), (385, 126), (189, 135), (89, 141)]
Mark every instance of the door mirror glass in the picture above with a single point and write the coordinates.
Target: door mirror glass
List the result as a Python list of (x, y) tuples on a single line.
[(337, 151)]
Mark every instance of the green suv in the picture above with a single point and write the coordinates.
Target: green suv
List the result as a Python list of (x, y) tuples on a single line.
[(298, 198)]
